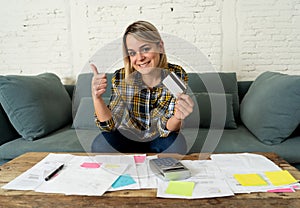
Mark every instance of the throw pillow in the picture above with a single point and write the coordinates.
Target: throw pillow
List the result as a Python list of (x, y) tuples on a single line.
[(206, 104), (216, 82), (271, 107), (35, 105)]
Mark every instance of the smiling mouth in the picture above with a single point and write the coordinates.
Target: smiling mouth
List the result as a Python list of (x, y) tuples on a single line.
[(143, 65)]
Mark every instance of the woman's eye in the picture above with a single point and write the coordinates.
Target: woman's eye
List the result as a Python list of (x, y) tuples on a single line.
[(145, 50), (131, 53)]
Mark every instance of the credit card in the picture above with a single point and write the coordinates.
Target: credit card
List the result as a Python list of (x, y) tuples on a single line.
[(174, 84)]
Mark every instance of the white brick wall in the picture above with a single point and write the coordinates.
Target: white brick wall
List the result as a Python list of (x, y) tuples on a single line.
[(268, 36), (62, 36), (34, 37)]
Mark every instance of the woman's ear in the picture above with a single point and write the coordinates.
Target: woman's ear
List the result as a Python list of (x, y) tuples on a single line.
[(161, 47)]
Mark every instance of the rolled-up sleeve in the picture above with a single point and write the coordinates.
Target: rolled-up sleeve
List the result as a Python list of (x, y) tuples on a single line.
[(162, 122), (108, 125)]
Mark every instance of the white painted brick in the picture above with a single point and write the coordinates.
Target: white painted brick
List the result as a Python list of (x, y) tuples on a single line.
[(61, 36)]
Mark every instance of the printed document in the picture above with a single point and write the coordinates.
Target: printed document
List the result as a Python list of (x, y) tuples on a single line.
[(35, 176), (223, 175), (247, 172), (78, 177), (206, 182)]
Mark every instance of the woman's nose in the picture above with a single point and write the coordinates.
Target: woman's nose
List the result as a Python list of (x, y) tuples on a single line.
[(140, 56)]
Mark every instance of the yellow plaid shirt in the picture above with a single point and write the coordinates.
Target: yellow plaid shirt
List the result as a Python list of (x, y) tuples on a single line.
[(138, 108)]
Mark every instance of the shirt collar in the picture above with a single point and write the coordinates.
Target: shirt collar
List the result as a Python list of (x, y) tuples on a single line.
[(135, 79)]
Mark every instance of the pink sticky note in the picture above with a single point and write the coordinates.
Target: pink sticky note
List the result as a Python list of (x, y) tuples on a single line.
[(139, 158), (282, 190), (297, 187), (90, 165)]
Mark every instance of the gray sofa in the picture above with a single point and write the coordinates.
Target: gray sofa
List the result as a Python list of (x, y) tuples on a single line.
[(76, 133)]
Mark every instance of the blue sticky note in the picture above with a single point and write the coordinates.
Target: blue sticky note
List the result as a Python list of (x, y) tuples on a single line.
[(123, 180)]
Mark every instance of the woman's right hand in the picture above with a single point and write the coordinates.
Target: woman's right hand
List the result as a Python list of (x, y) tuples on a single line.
[(99, 83)]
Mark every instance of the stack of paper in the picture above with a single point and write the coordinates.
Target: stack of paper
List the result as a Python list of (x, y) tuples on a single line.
[(206, 182), (223, 175), (246, 173), (87, 175)]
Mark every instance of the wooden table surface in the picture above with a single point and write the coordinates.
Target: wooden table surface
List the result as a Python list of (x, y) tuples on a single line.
[(135, 198)]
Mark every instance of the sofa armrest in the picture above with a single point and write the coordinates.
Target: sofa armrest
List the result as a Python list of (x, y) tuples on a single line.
[(8, 132), (70, 90)]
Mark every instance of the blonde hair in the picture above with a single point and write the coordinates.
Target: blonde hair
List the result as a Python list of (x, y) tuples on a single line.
[(145, 31)]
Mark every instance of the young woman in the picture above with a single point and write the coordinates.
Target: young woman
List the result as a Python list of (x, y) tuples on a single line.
[(143, 116)]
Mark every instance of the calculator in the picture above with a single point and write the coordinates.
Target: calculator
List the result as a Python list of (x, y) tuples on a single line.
[(169, 168)]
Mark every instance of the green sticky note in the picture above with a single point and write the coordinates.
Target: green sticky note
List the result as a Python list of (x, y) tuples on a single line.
[(251, 179), (182, 188), (279, 178)]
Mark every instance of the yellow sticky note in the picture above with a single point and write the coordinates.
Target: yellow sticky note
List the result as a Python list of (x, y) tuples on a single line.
[(251, 179), (279, 178), (182, 188), (110, 166)]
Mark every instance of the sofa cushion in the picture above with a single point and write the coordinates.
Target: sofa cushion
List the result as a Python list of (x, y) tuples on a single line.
[(216, 82), (85, 118), (271, 107), (238, 140), (35, 105), (208, 104), (63, 140)]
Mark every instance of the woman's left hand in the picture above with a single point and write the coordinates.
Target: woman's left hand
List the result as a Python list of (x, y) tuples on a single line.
[(183, 107)]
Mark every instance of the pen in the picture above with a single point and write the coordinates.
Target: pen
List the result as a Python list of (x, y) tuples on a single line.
[(54, 172)]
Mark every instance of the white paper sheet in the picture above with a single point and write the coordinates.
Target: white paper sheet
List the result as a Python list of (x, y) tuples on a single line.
[(207, 178), (77, 180), (72, 179), (245, 163), (147, 178), (130, 171), (35, 176), (204, 188)]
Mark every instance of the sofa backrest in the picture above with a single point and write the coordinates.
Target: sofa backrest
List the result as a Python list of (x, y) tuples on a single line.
[(83, 89), (83, 86)]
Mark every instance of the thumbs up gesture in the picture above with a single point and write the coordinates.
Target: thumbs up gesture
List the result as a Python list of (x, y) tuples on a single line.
[(99, 83)]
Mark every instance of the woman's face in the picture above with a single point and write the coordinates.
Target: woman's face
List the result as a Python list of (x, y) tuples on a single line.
[(144, 56)]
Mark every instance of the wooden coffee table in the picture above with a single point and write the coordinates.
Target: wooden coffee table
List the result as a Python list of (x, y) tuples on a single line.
[(135, 198)]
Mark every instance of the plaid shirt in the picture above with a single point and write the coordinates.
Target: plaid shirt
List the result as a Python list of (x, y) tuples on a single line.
[(136, 107)]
